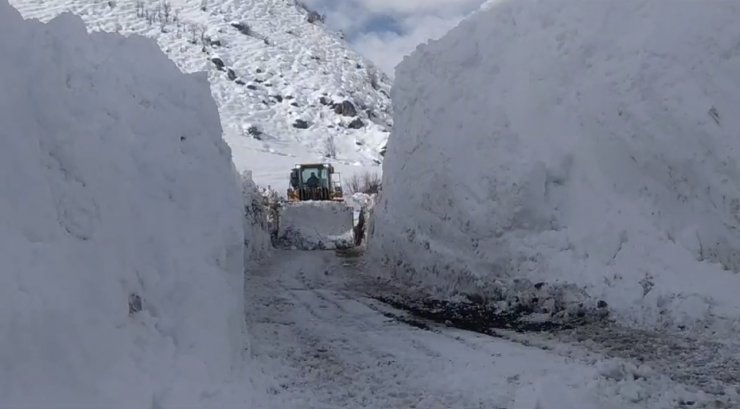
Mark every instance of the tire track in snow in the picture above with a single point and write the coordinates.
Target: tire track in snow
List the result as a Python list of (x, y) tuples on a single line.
[(334, 356), (326, 344)]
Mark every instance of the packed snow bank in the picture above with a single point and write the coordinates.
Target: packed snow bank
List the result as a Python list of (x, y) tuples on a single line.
[(363, 205), (256, 222), (121, 241), (316, 225), (586, 144)]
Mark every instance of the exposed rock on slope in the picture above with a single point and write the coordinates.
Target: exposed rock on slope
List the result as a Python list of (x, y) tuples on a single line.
[(269, 63)]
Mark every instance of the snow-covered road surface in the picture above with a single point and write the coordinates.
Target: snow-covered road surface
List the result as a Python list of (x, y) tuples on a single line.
[(318, 341)]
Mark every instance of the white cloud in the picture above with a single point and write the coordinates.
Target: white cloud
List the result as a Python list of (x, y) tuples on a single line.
[(414, 22), (348, 16), (415, 7), (387, 49)]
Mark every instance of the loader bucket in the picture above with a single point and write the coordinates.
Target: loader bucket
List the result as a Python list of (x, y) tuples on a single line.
[(316, 225)]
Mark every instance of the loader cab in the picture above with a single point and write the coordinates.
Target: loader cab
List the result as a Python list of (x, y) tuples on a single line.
[(328, 186)]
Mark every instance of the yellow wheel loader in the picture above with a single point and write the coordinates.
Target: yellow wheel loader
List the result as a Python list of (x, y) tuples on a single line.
[(315, 181), (315, 216)]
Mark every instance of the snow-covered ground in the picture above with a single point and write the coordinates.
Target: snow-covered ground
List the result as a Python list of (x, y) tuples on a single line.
[(319, 340), (121, 240), (277, 68), (589, 146)]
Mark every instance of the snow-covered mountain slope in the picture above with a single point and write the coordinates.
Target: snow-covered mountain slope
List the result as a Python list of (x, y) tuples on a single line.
[(588, 145), (121, 239), (272, 73)]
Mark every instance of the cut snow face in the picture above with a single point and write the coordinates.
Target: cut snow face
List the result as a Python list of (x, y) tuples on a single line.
[(121, 239), (288, 90), (591, 148)]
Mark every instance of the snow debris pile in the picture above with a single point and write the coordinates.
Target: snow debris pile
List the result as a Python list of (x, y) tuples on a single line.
[(588, 150), (121, 241)]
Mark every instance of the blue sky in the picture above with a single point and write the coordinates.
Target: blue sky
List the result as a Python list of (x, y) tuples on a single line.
[(386, 30)]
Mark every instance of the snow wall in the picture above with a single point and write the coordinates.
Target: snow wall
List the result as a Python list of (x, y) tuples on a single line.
[(121, 240), (591, 146)]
